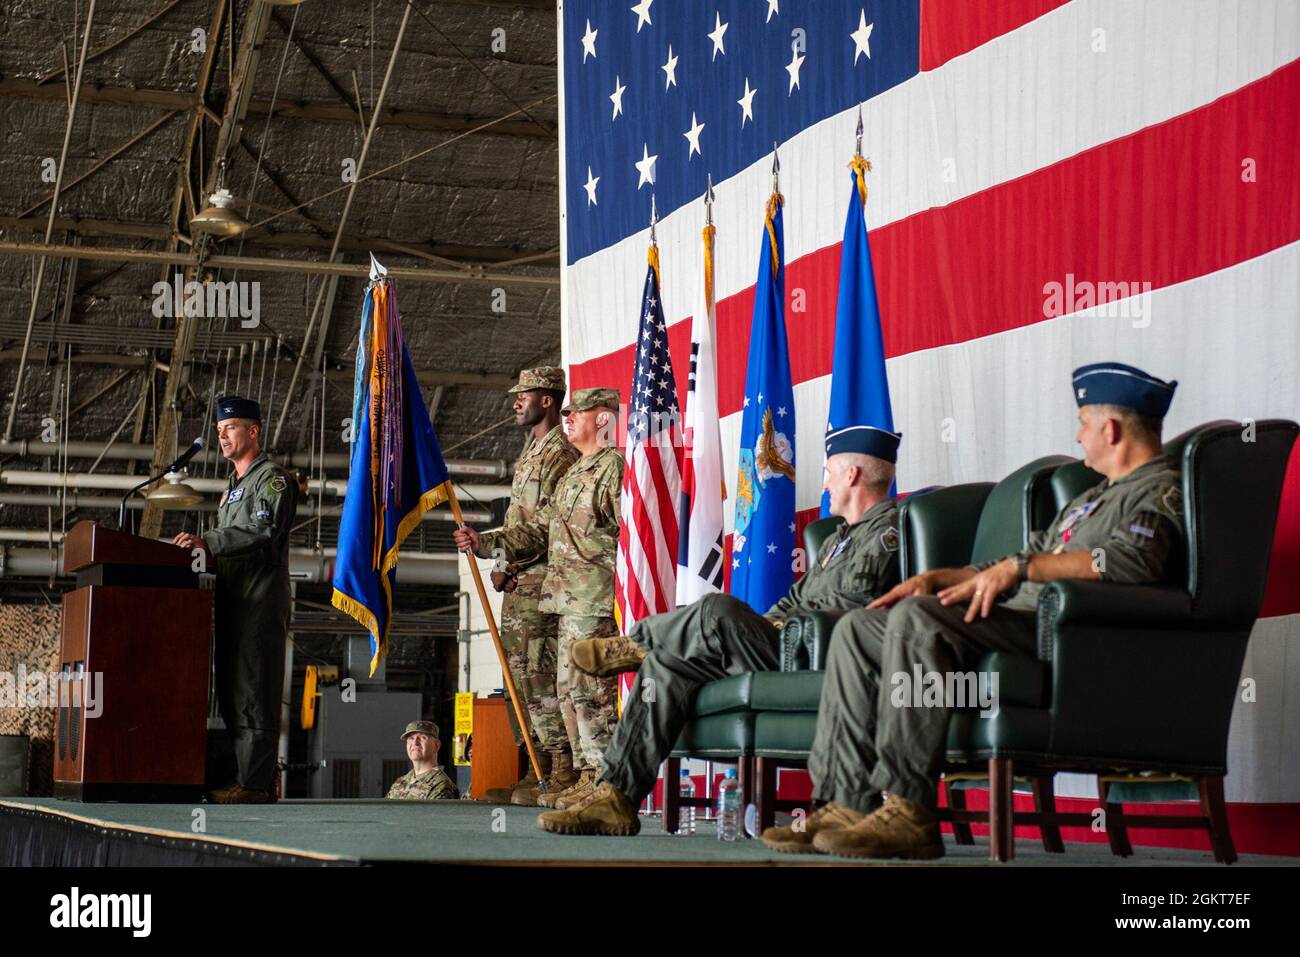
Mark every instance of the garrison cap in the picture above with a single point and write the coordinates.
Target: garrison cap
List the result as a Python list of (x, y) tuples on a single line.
[(421, 727), (237, 407), (865, 440), (1113, 383), (543, 377), (585, 399)]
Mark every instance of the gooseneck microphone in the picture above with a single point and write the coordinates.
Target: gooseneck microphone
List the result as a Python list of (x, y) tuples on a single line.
[(195, 447)]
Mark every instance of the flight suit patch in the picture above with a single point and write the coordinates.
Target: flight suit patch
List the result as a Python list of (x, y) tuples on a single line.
[(1171, 501), (889, 539), (277, 484), (235, 496)]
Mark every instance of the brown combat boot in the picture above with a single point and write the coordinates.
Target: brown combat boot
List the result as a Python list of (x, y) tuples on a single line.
[(605, 810), (506, 795), (562, 778), (603, 657), (900, 828), (525, 792), (797, 838), (238, 794), (586, 784)]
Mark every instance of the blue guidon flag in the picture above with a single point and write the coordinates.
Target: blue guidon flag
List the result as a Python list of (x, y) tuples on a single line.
[(396, 474)]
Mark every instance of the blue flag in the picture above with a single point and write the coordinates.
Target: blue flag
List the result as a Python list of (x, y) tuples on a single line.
[(859, 386), (762, 551), (396, 473)]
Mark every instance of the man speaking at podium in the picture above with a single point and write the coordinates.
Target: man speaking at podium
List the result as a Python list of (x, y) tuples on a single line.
[(253, 600)]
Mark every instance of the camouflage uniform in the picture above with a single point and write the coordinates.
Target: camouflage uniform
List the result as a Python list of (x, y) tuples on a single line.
[(577, 531), (432, 785), (528, 635)]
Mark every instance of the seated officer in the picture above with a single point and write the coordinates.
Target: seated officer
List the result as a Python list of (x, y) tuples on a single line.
[(426, 780), (719, 635), (1128, 529)]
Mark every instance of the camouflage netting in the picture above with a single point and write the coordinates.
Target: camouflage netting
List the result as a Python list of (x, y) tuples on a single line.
[(29, 641)]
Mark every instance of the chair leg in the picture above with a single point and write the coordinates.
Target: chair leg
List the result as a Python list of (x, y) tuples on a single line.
[(1002, 845), (1213, 807), (957, 802), (745, 772), (765, 779), (672, 818), (1045, 803), (1116, 827)]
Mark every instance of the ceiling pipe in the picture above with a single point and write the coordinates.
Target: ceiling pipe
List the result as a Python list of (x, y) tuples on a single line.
[(305, 565), (108, 503), (479, 468), (86, 480)]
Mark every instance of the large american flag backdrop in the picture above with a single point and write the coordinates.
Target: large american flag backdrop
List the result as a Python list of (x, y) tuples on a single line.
[(1029, 156)]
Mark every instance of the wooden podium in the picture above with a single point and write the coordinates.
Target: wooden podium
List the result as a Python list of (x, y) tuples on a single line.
[(134, 664)]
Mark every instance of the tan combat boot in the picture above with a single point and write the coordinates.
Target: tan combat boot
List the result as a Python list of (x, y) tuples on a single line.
[(900, 828), (798, 837), (503, 795), (586, 784), (603, 657), (525, 792), (605, 810), (560, 779)]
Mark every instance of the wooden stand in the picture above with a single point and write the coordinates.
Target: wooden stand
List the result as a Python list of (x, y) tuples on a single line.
[(494, 760), (134, 666)]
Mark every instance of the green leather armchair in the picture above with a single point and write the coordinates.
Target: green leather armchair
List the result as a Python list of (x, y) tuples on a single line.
[(1142, 678)]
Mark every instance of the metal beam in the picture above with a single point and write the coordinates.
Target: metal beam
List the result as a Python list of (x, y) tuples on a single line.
[(296, 109), (257, 264)]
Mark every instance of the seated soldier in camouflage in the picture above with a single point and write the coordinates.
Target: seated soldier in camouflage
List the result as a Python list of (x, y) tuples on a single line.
[(676, 652), (872, 742), (426, 781)]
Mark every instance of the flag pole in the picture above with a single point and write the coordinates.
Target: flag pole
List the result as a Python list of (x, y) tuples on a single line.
[(525, 729)]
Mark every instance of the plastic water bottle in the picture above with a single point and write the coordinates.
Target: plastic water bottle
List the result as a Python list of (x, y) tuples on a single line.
[(729, 807), (686, 821)]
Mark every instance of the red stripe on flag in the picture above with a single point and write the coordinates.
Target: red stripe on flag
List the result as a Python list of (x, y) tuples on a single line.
[(950, 28)]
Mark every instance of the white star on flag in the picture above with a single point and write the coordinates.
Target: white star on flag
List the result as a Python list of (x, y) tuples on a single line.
[(646, 167), (862, 37), (719, 28), (590, 187), (771, 10), (796, 61), (642, 11), (617, 98), (589, 43), (747, 103), (771, 548), (670, 68), (693, 136)]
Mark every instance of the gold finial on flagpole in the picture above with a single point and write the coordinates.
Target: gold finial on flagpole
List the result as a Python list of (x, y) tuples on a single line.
[(654, 218), (708, 202), (859, 135), (776, 169)]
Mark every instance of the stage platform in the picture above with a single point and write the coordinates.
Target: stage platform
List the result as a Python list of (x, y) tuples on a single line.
[(51, 832)]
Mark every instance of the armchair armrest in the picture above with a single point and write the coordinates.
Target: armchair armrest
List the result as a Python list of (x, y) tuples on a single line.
[(805, 637), (1070, 601)]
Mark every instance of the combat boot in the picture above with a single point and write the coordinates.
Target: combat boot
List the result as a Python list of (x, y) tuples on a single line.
[(525, 792), (900, 828), (505, 795), (238, 794), (585, 783), (798, 838), (603, 657), (605, 810), (560, 778)]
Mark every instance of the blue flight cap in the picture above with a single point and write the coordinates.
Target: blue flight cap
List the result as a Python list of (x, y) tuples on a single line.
[(237, 407), (1113, 383), (865, 440)]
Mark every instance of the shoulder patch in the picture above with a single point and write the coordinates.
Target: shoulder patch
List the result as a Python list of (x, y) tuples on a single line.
[(889, 539), (277, 484), (1170, 501)]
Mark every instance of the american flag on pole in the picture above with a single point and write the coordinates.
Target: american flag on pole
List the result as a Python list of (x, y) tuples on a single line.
[(646, 571), (1034, 163)]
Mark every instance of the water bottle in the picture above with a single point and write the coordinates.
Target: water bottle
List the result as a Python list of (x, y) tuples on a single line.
[(729, 807), (686, 821)]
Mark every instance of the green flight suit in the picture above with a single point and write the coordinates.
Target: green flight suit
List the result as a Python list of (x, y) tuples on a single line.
[(719, 635), (253, 605), (872, 736)]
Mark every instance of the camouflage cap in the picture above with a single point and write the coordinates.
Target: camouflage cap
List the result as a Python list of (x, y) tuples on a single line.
[(421, 727), (544, 377), (585, 399)]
